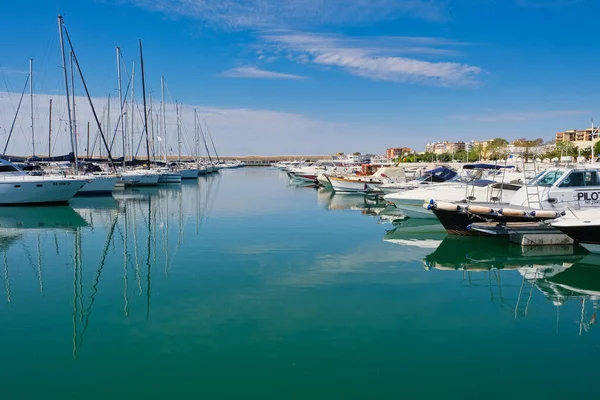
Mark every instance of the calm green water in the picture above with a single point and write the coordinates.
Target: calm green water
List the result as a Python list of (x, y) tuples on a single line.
[(243, 286)]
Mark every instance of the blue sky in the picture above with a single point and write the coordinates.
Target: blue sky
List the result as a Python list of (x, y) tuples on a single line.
[(319, 76)]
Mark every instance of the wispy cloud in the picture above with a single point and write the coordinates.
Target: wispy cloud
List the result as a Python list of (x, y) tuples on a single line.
[(256, 73), (520, 116), (236, 131), (261, 14), (11, 71), (546, 3), (376, 58)]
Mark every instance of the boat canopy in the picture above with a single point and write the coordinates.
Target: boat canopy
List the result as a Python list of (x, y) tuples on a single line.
[(486, 166), (482, 182), (441, 174)]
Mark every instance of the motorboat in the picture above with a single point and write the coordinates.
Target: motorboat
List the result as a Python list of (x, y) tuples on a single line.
[(545, 197), (311, 172), (19, 188), (436, 175), (582, 226), (366, 181), (474, 185)]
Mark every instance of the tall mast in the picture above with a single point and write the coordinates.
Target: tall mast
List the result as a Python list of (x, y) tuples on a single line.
[(178, 108), (132, 113), (145, 116), (108, 129), (87, 92), (593, 140), (162, 104), (74, 113), (31, 104), (50, 131), (196, 134), (121, 101), (152, 136), (211, 141), (64, 66)]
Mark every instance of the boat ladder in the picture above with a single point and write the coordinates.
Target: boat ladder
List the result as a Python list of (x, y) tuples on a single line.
[(496, 192), (522, 306), (532, 191)]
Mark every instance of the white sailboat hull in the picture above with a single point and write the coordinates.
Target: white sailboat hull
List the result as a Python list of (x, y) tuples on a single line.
[(169, 177), (139, 178), (36, 190), (98, 185), (189, 173)]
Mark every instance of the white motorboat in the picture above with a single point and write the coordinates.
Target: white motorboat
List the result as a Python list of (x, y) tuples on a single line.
[(469, 188), (19, 188), (582, 226), (437, 175), (311, 172), (323, 179), (545, 197), (367, 183)]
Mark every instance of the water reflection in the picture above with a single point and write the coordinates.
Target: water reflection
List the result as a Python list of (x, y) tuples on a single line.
[(136, 228), (367, 205), (472, 254), (560, 273)]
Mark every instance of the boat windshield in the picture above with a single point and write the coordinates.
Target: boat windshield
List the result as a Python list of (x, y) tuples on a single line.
[(7, 168), (550, 178), (438, 175)]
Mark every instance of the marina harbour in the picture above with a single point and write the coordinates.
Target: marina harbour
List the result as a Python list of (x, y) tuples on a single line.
[(252, 284)]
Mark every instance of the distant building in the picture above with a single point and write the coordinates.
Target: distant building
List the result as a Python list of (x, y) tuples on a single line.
[(395, 152), (445, 147), (579, 137), (480, 143)]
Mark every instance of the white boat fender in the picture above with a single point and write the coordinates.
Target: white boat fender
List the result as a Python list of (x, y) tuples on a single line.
[(442, 205), (546, 214), (507, 212), (479, 210)]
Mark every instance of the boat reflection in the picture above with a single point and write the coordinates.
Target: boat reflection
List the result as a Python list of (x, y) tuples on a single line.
[(419, 234), (560, 273), (482, 253), (138, 228), (367, 205), (580, 282), (25, 218)]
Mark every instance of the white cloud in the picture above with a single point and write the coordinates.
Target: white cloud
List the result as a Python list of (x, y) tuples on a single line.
[(236, 131), (261, 14), (520, 115), (377, 58), (253, 72)]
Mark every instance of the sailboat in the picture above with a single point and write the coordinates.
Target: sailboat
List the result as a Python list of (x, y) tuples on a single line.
[(166, 174), (98, 183), (183, 168), (19, 188), (139, 177)]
